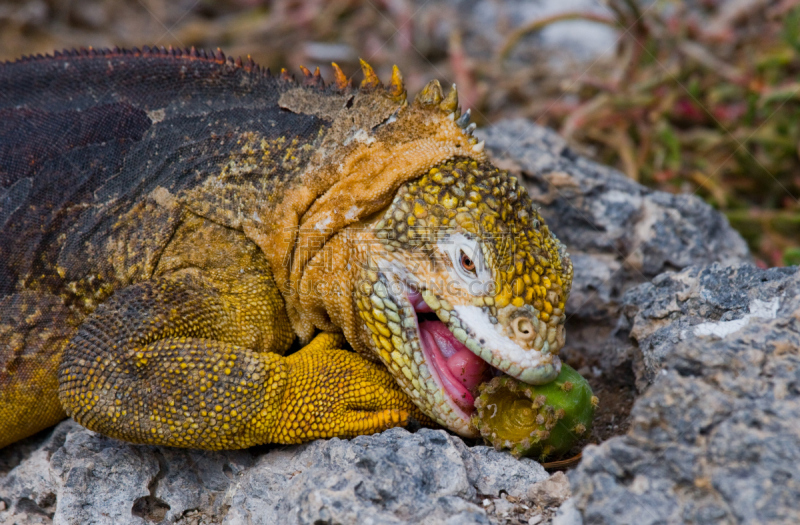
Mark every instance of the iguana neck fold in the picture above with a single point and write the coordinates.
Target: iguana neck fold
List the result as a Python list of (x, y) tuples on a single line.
[(345, 185)]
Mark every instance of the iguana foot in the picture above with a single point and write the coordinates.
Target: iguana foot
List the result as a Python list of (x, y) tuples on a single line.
[(337, 393)]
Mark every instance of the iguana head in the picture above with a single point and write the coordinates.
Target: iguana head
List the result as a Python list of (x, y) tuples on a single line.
[(464, 282), (430, 259)]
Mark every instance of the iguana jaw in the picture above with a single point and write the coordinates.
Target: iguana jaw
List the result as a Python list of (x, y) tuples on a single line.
[(457, 369), (396, 323), (473, 328), (497, 354), (433, 353)]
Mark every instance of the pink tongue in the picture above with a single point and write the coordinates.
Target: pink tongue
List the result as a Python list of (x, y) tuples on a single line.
[(465, 367)]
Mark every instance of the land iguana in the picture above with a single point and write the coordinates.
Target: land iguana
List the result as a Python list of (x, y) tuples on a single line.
[(172, 222)]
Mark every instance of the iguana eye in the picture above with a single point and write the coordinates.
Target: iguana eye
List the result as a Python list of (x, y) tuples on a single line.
[(467, 263)]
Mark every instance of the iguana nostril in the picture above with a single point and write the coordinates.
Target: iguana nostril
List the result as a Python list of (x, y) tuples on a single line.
[(523, 328)]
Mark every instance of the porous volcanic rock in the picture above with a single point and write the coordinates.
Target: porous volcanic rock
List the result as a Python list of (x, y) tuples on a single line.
[(716, 437), (76, 476), (705, 302)]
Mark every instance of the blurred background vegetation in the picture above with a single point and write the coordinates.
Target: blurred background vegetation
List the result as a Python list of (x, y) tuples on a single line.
[(699, 97)]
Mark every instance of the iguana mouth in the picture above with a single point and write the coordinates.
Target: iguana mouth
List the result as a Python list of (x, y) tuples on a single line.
[(456, 368), (455, 362)]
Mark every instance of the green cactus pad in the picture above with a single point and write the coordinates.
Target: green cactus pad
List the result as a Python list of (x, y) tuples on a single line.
[(543, 421)]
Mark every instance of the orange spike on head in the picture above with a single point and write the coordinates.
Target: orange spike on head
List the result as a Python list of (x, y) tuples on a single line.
[(450, 103), (371, 80), (314, 80), (396, 88), (339, 77), (431, 94)]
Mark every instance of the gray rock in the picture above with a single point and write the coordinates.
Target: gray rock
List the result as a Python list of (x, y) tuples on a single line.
[(391, 477), (78, 476), (503, 507), (495, 469), (715, 438), (619, 233), (703, 303), (567, 514), (551, 492)]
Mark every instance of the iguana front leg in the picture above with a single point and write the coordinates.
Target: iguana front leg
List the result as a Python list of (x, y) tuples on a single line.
[(163, 362)]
